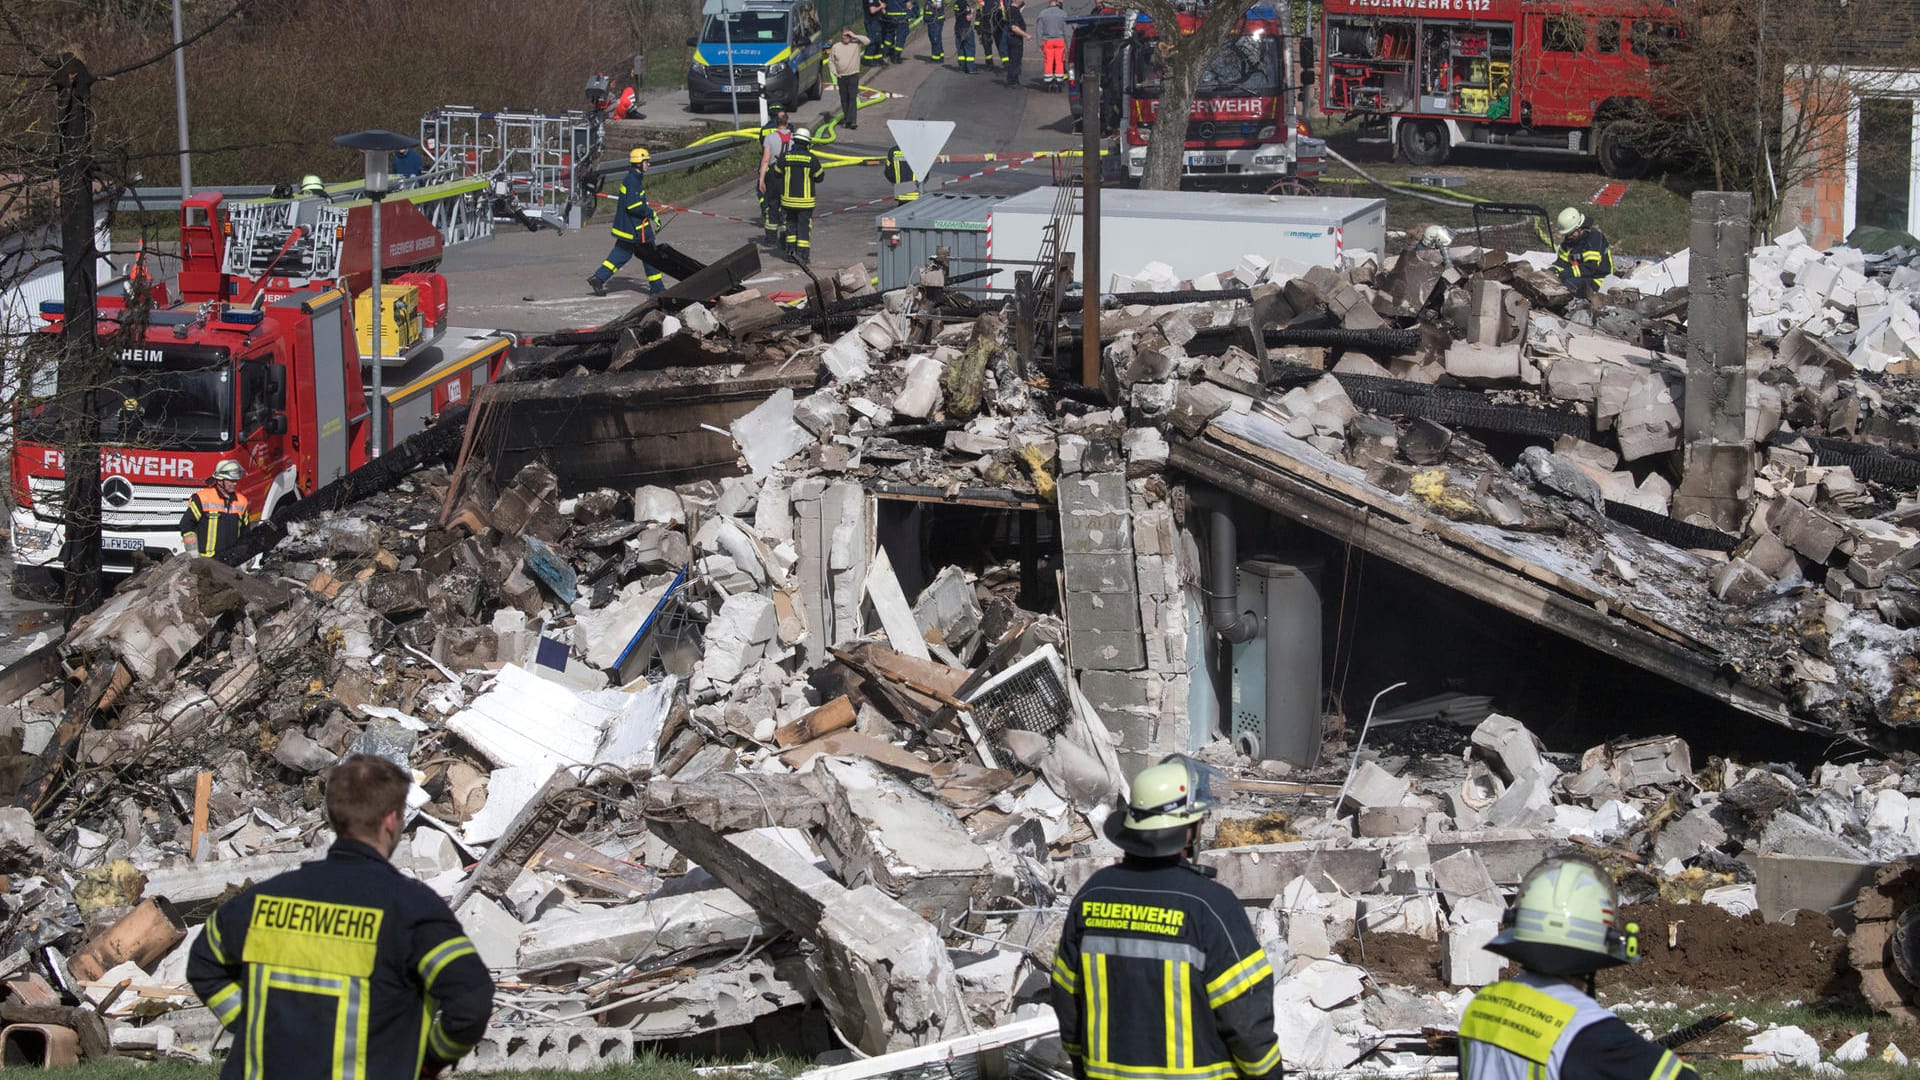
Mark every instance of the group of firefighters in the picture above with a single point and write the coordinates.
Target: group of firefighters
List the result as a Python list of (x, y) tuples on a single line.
[(996, 27), (346, 967)]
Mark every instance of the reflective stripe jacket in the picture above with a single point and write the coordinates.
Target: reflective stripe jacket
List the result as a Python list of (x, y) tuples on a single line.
[(214, 521), (1537, 1028), (900, 175), (1159, 977), (1584, 256), (332, 971), (799, 172), (633, 219)]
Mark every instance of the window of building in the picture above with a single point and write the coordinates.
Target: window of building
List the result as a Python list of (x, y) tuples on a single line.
[(1884, 172)]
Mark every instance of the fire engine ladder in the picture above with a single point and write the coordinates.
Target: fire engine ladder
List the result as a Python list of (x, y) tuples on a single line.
[(527, 159), (261, 229)]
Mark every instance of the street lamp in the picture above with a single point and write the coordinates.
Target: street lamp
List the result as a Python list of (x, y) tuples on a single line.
[(378, 146)]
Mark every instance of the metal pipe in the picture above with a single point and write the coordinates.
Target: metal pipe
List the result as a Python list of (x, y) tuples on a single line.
[(379, 401)]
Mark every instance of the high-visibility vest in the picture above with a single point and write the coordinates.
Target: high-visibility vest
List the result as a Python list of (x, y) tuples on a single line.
[(900, 175)]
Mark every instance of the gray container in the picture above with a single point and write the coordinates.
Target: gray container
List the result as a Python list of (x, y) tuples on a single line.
[(1276, 675), (911, 233)]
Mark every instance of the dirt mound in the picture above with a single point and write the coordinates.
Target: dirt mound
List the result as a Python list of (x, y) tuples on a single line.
[(1711, 951)]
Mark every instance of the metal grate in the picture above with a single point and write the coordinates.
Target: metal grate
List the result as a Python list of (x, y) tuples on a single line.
[(1029, 696)]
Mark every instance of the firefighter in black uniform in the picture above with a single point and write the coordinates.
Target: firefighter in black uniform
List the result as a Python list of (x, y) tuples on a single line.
[(963, 11), (217, 514), (906, 188), (800, 174), (1584, 257), (329, 971), (635, 224), (899, 19), (1159, 974)]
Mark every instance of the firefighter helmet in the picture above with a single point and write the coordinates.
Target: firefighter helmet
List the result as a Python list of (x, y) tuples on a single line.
[(1570, 219), (1566, 921), (1165, 802), (1436, 237), (803, 134), (312, 185), (227, 470), (639, 156)]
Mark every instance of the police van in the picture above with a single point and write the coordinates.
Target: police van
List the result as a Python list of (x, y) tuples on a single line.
[(749, 47)]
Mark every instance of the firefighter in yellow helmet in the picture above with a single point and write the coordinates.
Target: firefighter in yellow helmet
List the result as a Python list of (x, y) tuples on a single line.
[(635, 227), (1159, 974), (1542, 1024), (1583, 257)]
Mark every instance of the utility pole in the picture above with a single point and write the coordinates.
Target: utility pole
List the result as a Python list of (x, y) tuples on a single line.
[(180, 103), (1092, 117), (80, 366)]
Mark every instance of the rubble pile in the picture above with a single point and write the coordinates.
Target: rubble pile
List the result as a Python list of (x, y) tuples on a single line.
[(700, 758), (1424, 361)]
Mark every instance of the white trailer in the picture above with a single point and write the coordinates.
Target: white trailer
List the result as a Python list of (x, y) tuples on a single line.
[(1194, 232)]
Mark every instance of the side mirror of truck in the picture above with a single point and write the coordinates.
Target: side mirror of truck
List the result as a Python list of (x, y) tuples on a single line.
[(277, 389), (277, 424)]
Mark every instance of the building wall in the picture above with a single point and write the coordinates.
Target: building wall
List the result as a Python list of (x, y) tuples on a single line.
[(1823, 204)]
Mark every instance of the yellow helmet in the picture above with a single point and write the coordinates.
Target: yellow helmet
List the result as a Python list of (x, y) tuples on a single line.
[(1163, 803), (1567, 920), (639, 156), (312, 185)]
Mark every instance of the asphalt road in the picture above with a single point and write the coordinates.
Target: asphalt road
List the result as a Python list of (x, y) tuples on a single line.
[(537, 281)]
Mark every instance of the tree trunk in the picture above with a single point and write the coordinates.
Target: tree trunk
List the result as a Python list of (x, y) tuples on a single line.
[(81, 367), (1167, 146)]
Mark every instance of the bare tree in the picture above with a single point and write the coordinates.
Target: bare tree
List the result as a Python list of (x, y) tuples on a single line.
[(1759, 94), (1183, 59)]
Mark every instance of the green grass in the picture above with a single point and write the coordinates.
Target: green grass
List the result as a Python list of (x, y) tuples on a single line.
[(1650, 221), (667, 66), (1829, 1022)]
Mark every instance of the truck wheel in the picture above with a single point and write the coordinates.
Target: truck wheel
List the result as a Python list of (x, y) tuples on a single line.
[(1423, 142), (1618, 157)]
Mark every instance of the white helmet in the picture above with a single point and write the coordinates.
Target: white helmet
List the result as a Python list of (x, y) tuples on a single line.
[(802, 133), (1570, 219), (1436, 236)]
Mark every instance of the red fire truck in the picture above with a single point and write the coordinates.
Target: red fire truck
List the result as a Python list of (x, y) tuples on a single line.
[(1243, 123), (255, 353), (1555, 75)]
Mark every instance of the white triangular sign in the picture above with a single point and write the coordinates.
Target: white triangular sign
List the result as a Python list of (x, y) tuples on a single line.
[(920, 142)]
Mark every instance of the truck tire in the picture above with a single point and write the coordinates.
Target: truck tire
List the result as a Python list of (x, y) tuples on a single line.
[(1618, 157), (1423, 142)]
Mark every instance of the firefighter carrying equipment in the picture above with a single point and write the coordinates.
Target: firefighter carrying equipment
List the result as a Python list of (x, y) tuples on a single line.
[(212, 520), (332, 970), (635, 225), (1538, 1027), (1159, 977), (900, 174), (1567, 921)]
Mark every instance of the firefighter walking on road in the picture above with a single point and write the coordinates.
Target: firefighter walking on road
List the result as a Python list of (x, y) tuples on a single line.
[(635, 224), (1583, 258), (1159, 974), (800, 174), (344, 969), (1541, 1025), (773, 143), (217, 514)]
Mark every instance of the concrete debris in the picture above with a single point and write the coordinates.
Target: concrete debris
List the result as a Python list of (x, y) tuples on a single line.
[(826, 724)]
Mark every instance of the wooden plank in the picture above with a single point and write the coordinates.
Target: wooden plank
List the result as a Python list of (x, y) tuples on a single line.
[(202, 794), (936, 677), (854, 744), (831, 717), (592, 870)]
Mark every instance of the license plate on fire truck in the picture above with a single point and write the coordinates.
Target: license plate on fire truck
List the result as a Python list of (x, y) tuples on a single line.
[(1206, 159), (123, 543)]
